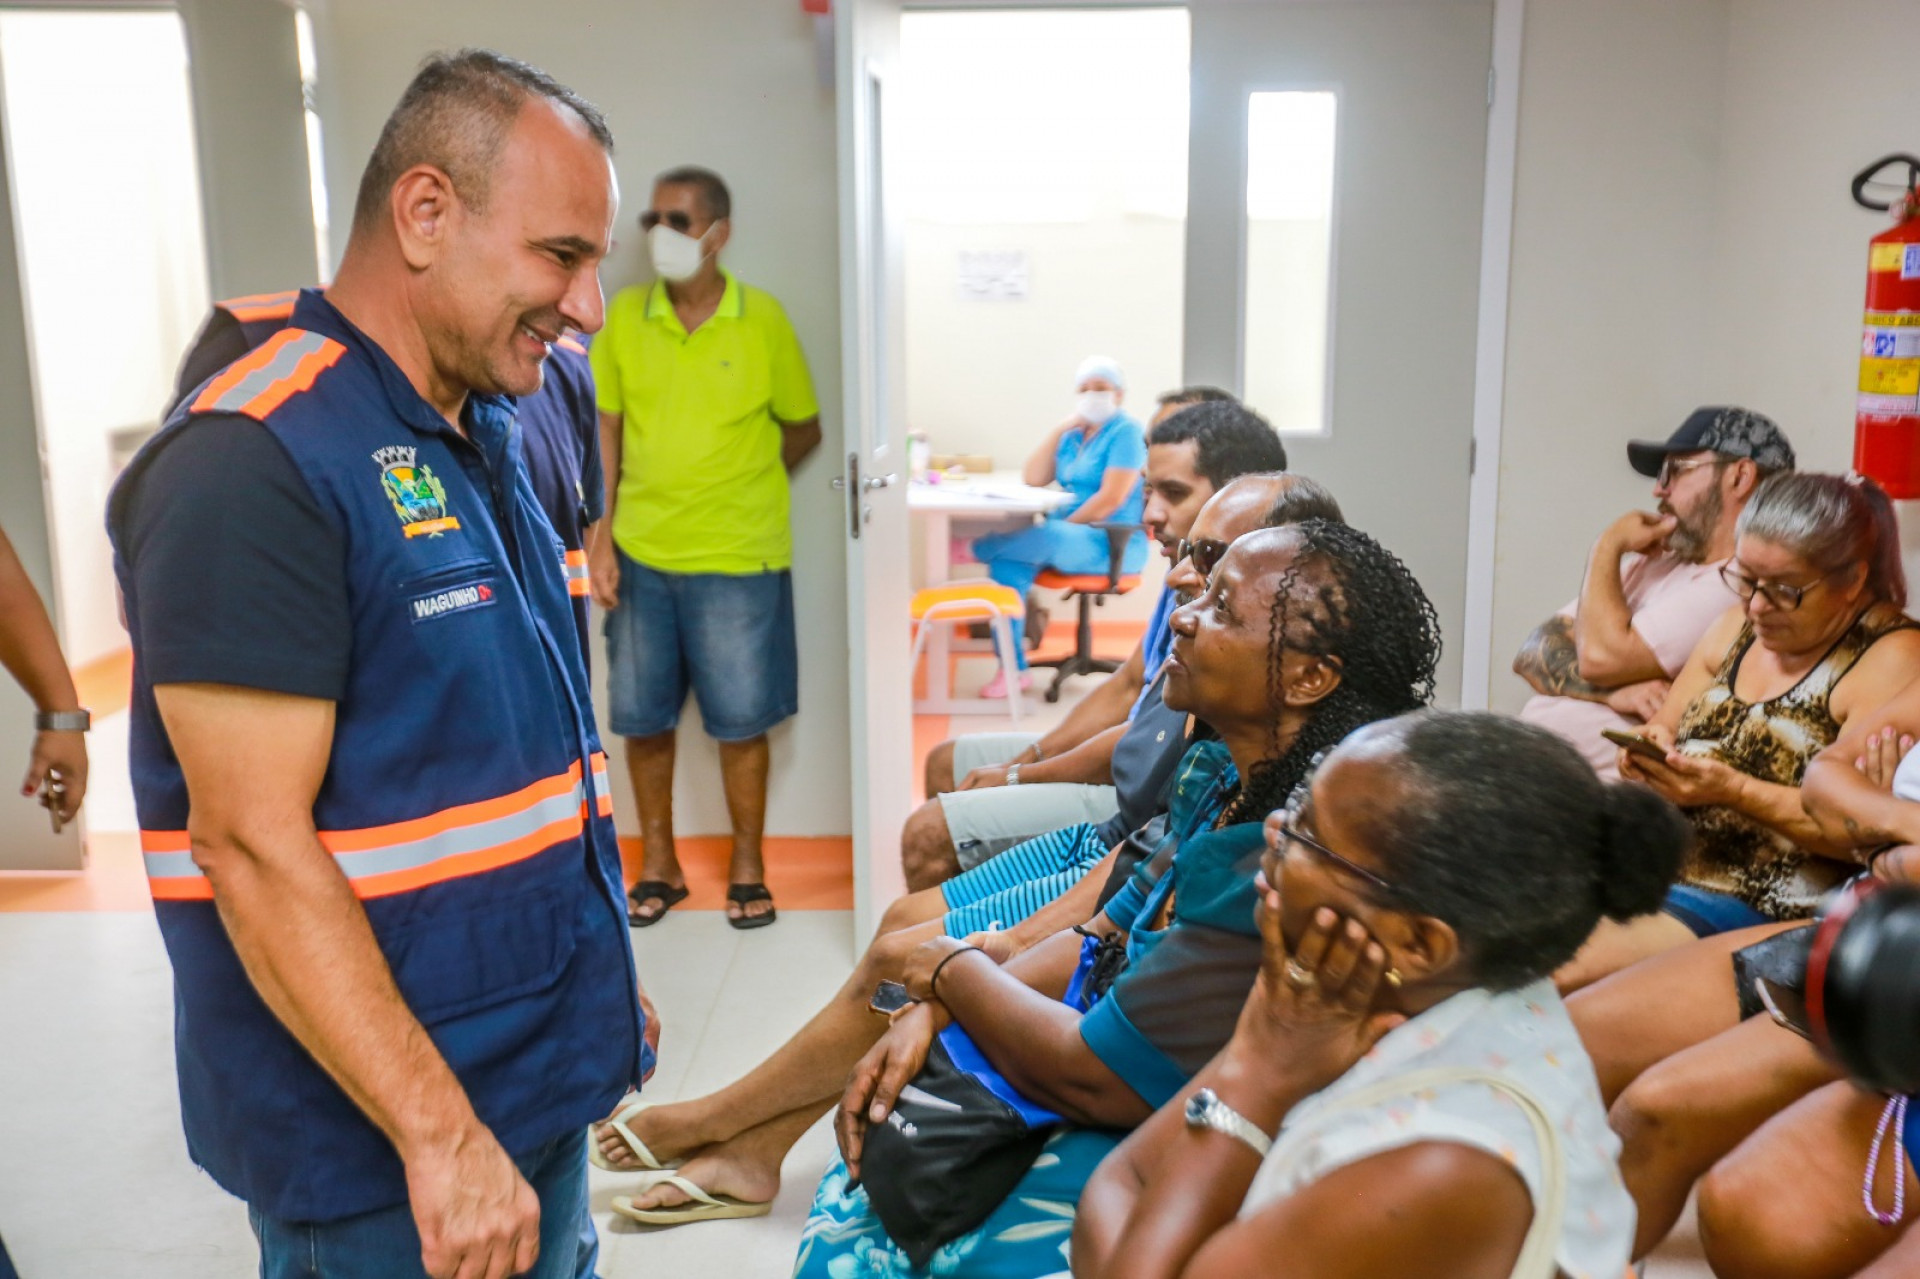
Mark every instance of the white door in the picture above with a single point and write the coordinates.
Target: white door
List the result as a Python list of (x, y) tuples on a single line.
[(1410, 78), (873, 476)]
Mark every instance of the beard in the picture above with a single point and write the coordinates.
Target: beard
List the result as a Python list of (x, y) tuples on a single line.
[(1693, 532)]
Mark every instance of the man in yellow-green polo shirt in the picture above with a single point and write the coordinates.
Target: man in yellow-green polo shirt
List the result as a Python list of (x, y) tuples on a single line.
[(705, 408)]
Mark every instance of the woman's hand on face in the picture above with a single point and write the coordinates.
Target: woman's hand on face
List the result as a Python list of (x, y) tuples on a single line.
[(1880, 758), (1312, 1008), (876, 1082)]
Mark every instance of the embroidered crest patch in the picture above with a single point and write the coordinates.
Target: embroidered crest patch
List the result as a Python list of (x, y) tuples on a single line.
[(418, 496)]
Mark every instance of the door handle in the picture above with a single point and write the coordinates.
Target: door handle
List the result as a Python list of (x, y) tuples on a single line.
[(873, 482)]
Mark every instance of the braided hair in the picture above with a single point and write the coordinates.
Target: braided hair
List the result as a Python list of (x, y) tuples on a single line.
[(1350, 601)]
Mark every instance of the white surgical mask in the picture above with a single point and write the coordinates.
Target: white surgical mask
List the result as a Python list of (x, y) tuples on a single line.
[(1094, 407), (676, 255)]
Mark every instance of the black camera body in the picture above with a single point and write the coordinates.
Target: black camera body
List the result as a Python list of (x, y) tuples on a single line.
[(1863, 983)]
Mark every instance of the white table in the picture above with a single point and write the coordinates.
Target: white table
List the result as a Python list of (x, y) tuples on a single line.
[(991, 501)]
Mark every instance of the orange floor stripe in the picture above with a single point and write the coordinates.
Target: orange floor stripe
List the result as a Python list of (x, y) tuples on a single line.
[(802, 873), (106, 683)]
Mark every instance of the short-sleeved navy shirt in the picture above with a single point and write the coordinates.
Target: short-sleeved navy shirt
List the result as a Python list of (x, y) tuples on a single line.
[(240, 583), (560, 444)]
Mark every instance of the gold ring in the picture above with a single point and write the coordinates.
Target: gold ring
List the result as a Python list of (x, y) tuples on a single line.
[(1299, 976), (1392, 977)]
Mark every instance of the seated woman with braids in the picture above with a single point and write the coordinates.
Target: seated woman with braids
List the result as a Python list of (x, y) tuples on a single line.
[(733, 1139), (1404, 1094), (1304, 634)]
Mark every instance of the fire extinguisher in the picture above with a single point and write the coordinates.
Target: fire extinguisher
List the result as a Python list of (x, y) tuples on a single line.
[(1886, 429)]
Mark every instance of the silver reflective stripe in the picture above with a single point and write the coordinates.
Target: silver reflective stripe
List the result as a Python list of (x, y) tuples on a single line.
[(576, 572), (283, 363), (463, 839), (171, 866)]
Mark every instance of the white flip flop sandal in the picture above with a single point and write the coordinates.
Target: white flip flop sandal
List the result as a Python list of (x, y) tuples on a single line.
[(702, 1206), (619, 1122)]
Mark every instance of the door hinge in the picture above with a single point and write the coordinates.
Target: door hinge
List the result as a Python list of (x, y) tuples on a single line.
[(1473, 456), (1491, 73)]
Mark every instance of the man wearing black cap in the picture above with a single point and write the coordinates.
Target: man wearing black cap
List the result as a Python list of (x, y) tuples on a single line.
[(1653, 582)]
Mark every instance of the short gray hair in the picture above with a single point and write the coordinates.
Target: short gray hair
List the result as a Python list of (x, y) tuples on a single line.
[(1833, 522), (455, 116)]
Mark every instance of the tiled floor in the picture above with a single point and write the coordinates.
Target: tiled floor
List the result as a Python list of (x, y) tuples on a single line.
[(94, 1176)]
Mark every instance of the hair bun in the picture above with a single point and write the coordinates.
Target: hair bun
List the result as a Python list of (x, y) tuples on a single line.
[(1643, 840)]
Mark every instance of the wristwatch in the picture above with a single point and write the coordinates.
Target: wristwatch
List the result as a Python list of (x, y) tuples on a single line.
[(1206, 1110), (63, 721)]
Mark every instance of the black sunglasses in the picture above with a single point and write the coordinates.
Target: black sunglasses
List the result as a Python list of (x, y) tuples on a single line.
[(676, 219), (1205, 554)]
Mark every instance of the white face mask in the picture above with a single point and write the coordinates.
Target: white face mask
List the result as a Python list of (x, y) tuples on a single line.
[(676, 255), (1094, 407)]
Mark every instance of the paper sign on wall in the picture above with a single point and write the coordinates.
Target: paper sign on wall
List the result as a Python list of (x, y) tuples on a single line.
[(993, 275)]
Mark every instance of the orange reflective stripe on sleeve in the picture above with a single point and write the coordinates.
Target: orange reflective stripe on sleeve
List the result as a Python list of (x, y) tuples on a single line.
[(273, 372), (261, 306), (468, 839)]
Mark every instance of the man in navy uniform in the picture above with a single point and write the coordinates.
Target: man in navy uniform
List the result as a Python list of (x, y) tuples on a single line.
[(374, 809), (559, 423)]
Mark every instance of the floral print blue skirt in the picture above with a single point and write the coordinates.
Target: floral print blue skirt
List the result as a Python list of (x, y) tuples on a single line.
[(1025, 1238)]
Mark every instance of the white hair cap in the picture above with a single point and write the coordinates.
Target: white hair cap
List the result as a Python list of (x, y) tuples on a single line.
[(1100, 366)]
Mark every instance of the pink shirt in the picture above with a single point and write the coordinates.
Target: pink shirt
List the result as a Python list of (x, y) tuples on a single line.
[(1673, 603)]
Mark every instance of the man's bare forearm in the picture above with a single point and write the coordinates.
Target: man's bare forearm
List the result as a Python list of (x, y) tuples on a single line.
[(797, 440), (1107, 705), (29, 649), (612, 447), (1550, 662), (305, 942), (1088, 764)]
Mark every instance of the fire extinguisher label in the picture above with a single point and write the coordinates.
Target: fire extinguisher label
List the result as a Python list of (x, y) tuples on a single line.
[(1890, 344), (1910, 262), (1890, 377), (1886, 257)]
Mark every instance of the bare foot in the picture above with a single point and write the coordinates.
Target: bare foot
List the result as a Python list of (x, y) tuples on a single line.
[(718, 1170), (663, 1128)]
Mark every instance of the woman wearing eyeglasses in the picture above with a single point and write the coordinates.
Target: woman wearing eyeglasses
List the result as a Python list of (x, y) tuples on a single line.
[(1818, 637), (1303, 634), (1404, 1094)]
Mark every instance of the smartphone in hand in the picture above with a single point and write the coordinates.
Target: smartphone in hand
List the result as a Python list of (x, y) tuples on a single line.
[(1635, 743), (889, 997)]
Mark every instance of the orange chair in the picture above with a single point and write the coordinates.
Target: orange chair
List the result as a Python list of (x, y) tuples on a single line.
[(1092, 590), (974, 600)]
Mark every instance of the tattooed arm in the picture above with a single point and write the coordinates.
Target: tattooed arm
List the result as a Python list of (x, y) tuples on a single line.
[(1550, 662), (1841, 796)]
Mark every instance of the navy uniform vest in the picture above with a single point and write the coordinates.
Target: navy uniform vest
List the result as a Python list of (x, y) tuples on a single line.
[(465, 800)]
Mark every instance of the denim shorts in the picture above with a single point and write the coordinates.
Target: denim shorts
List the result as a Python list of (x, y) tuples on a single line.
[(728, 638), (1709, 913), (385, 1243)]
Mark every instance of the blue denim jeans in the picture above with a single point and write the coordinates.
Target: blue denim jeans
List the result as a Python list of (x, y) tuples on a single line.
[(385, 1244), (730, 639)]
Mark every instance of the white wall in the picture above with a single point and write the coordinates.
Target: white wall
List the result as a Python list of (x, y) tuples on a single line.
[(1683, 235), (731, 84), (1616, 201), (1815, 91)]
